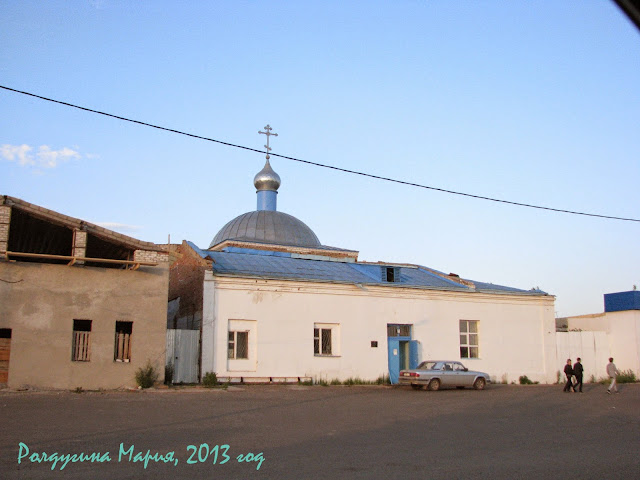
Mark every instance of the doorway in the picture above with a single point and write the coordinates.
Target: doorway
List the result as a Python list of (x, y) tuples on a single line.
[(402, 351), (5, 353)]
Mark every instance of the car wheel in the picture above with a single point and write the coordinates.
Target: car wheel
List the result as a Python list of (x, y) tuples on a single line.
[(434, 384), (416, 387), (479, 384)]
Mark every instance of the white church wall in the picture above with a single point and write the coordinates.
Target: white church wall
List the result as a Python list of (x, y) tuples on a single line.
[(516, 333)]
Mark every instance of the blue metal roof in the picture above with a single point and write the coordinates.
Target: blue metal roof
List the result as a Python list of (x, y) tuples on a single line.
[(281, 265)]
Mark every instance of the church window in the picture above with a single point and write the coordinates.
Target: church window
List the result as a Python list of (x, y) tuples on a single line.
[(394, 330), (325, 339), (469, 339), (238, 345), (322, 341)]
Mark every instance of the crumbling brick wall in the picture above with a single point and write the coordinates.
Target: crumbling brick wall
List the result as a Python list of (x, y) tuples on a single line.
[(186, 277)]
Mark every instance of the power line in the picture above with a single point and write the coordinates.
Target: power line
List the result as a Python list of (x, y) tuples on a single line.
[(339, 169)]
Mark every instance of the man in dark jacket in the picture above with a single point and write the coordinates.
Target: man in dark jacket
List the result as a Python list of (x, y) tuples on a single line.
[(577, 372), (568, 371)]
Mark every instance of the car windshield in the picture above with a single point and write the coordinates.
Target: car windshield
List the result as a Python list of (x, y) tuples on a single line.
[(427, 365)]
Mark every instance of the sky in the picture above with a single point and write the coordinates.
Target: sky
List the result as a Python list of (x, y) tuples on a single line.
[(530, 102)]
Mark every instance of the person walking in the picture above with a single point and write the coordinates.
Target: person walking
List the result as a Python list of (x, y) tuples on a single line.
[(578, 372), (612, 371), (568, 371)]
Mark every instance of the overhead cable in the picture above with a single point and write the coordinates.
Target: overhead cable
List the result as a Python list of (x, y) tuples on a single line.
[(308, 162)]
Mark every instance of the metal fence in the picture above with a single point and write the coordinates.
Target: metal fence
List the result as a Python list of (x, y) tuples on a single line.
[(183, 351)]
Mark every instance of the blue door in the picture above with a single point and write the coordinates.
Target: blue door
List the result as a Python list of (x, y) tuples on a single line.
[(394, 359), (414, 355), (403, 354)]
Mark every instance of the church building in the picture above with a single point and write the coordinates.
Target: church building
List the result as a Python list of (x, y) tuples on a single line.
[(278, 305)]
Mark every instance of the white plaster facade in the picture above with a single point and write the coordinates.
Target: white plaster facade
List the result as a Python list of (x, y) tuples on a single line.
[(621, 332), (516, 332)]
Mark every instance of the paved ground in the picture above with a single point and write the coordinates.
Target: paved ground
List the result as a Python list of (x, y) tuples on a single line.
[(505, 432)]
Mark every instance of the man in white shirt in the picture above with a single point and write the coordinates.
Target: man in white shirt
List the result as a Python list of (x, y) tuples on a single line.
[(612, 371)]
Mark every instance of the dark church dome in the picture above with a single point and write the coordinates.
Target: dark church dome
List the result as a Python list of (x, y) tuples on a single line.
[(267, 226)]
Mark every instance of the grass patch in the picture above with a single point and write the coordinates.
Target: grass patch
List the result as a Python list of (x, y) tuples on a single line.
[(210, 380), (524, 380), (627, 376), (146, 376)]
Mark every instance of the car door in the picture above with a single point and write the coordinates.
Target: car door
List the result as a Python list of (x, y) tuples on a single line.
[(463, 378), (448, 375)]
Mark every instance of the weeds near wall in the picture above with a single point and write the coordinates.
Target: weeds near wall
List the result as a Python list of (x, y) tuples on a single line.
[(210, 380), (627, 376), (381, 380), (524, 380), (168, 374), (146, 376)]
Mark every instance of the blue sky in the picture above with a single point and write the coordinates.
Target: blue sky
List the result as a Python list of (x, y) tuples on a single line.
[(532, 102)]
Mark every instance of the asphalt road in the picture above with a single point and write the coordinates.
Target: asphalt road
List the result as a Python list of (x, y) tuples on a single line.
[(295, 432)]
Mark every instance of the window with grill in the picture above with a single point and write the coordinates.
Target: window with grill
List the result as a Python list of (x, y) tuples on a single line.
[(322, 341), (238, 345), (122, 347), (469, 343), (81, 341), (398, 330)]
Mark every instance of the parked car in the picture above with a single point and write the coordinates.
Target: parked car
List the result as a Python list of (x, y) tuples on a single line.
[(435, 374)]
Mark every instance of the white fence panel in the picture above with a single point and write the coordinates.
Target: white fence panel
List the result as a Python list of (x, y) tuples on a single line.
[(182, 354), (591, 346)]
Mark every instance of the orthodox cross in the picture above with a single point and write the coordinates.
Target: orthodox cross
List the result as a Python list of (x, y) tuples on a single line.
[(268, 133)]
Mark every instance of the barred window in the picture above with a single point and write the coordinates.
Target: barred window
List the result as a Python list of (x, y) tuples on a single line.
[(238, 345), (398, 330), (81, 341), (469, 343), (322, 341), (326, 339)]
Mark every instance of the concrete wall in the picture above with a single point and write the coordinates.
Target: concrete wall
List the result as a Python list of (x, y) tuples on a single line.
[(40, 301), (592, 347), (517, 333), (622, 331)]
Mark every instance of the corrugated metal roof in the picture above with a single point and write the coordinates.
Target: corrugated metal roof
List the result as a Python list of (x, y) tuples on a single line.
[(278, 266)]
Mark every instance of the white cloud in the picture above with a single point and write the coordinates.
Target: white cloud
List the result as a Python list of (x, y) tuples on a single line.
[(50, 158), (44, 157), (17, 152)]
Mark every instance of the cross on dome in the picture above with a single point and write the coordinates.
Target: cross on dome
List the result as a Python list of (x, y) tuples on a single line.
[(268, 133)]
